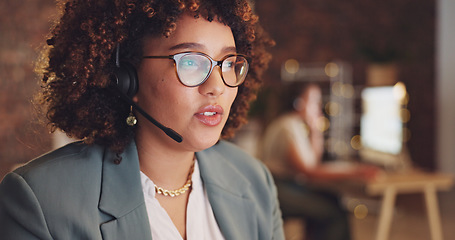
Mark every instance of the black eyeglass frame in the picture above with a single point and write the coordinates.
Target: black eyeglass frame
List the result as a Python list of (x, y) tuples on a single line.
[(176, 57)]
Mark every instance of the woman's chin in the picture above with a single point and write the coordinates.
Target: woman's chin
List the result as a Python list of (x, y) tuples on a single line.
[(204, 143)]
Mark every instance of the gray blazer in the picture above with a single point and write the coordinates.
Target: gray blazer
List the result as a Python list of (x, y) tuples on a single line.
[(80, 192)]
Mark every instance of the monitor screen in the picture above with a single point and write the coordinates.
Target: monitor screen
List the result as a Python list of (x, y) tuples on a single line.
[(381, 127)]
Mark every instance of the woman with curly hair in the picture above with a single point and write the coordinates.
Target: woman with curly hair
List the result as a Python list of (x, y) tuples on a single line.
[(150, 86)]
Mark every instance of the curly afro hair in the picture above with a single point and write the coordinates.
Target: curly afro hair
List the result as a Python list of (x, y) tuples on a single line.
[(78, 60)]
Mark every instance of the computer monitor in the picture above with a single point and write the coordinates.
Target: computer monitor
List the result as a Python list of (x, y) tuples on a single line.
[(381, 125)]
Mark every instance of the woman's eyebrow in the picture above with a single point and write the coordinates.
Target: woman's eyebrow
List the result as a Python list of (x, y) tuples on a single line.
[(230, 49), (191, 45), (188, 45)]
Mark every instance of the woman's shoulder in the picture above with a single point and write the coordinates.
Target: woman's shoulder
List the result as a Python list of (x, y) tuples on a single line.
[(70, 160), (227, 158), (235, 154), (59, 189), (67, 174)]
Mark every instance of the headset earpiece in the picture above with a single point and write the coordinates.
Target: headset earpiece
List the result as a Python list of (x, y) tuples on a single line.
[(125, 77)]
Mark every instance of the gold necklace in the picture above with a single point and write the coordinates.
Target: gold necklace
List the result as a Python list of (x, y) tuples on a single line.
[(177, 192)]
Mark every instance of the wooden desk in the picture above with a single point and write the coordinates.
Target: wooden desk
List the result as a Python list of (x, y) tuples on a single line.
[(412, 181)]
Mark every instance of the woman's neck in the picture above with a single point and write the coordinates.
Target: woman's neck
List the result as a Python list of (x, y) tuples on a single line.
[(165, 166)]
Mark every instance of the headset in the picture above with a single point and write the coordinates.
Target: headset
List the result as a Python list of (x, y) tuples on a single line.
[(125, 76), (126, 82)]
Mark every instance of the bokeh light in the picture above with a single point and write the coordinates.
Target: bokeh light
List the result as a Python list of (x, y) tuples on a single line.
[(331, 69), (291, 66)]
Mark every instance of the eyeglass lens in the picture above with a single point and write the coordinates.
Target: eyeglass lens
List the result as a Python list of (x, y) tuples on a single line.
[(193, 69)]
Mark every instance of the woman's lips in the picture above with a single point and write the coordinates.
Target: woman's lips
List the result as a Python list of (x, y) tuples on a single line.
[(210, 115)]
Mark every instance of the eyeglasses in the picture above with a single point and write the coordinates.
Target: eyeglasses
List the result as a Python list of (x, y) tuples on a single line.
[(194, 68)]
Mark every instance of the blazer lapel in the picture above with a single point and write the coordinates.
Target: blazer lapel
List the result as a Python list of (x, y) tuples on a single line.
[(122, 197), (228, 195)]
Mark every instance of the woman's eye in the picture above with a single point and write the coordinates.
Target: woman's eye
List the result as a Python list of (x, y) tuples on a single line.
[(228, 65), (189, 63)]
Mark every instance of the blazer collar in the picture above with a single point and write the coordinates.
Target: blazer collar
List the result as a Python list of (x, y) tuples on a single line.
[(122, 197), (121, 189), (227, 190)]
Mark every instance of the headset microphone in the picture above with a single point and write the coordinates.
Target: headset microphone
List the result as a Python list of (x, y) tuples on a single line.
[(126, 81), (170, 132)]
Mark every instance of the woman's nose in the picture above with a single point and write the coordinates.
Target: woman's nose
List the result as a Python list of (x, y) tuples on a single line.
[(214, 85)]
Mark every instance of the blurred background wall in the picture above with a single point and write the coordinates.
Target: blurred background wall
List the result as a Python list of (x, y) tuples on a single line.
[(23, 27), (361, 32)]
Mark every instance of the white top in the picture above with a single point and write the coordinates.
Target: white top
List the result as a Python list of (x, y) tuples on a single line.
[(200, 222), (288, 129)]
